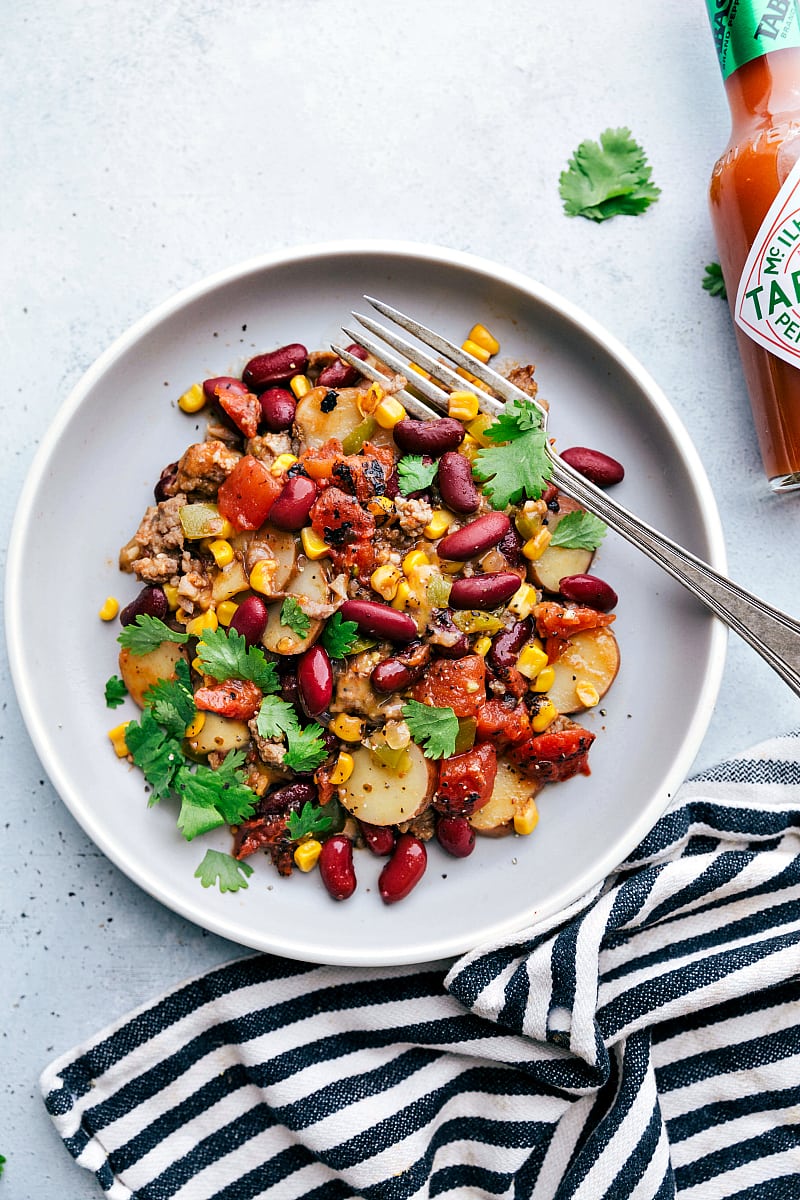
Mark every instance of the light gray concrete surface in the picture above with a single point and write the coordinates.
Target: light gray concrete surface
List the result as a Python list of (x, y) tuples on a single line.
[(147, 145)]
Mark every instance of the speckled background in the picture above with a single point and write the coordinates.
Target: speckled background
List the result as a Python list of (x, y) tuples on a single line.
[(147, 145)]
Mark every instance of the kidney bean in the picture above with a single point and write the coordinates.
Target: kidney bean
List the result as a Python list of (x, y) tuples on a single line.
[(290, 510), (510, 546), (275, 367), (507, 645), (456, 836), (441, 621), (287, 799), (392, 675), (379, 838), (404, 869), (456, 483), (151, 602), (166, 483), (250, 619), (227, 383), (474, 539), (277, 408), (315, 680), (336, 867), (392, 489), (428, 437), (484, 591), (380, 620), (340, 374), (588, 589), (595, 466)]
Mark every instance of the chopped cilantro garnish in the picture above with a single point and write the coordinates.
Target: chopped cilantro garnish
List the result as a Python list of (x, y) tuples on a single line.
[(518, 468), (312, 819), (224, 654), (339, 636), (579, 531), (276, 717), (414, 475), (713, 281), (220, 788), (171, 700), (157, 755), (306, 749), (293, 617), (434, 729), (607, 179), (116, 691), (223, 870), (146, 633)]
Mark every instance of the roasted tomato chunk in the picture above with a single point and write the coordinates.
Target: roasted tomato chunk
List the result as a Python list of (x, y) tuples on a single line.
[(265, 833), (466, 781), (556, 754), (503, 725), (243, 409), (346, 527), (248, 493), (236, 698), (459, 684), (561, 621)]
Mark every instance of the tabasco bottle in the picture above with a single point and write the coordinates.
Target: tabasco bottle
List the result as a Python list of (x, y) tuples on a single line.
[(755, 211)]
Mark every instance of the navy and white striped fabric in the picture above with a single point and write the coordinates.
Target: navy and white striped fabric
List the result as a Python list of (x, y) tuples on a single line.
[(643, 1044)]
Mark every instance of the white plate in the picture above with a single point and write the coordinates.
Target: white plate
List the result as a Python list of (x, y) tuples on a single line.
[(93, 478)]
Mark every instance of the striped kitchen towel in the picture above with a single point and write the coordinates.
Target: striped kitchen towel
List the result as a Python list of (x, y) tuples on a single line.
[(645, 1043)]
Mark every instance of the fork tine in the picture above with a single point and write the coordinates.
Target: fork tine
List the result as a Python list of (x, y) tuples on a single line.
[(434, 395), (410, 403), (491, 378)]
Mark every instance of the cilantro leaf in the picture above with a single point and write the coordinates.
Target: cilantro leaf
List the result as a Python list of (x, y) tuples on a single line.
[(116, 691), (306, 749), (414, 475), (579, 531), (293, 617), (434, 729), (607, 179), (226, 655), (146, 633), (514, 471), (713, 281), (195, 819), (339, 636), (223, 870), (311, 819), (517, 417), (221, 788), (276, 717), (171, 700), (2, 1162), (157, 755)]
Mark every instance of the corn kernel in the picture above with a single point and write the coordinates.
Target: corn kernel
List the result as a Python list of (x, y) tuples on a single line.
[(482, 646), (380, 506), (226, 612), (544, 680), (171, 592), (463, 406), (307, 854), (440, 522), (222, 552), (402, 595), (477, 428), (196, 724), (199, 666), (526, 821), (282, 463), (587, 693), (313, 545), (193, 399), (109, 609), (414, 560), (475, 350), (545, 716), (483, 338), (418, 370), (343, 769), (369, 400), (182, 616), (536, 546), (384, 580), (198, 625), (522, 602), (532, 659), (262, 576), (451, 567), (389, 413), (347, 727), (117, 738), (300, 385), (469, 447)]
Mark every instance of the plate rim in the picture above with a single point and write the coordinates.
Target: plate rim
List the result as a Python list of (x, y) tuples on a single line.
[(708, 514)]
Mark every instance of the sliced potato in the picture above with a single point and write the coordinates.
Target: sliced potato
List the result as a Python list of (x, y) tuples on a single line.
[(375, 794), (314, 426), (310, 583), (229, 582), (512, 795), (141, 671), (220, 733), (271, 543), (590, 657), (556, 562)]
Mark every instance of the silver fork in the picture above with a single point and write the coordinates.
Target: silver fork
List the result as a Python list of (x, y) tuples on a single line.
[(772, 633)]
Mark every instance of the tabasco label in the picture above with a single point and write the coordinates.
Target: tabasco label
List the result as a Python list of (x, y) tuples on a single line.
[(746, 29), (768, 298)]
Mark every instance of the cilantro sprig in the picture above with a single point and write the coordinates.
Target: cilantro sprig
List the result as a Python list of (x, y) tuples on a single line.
[(227, 872), (276, 717), (171, 701), (433, 729), (713, 281), (415, 475), (305, 748), (224, 654), (115, 691), (608, 179), (339, 636), (146, 633), (310, 820), (518, 467), (579, 531), (293, 617)]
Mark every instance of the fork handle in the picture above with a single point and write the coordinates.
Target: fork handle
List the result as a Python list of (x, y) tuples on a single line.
[(773, 634)]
